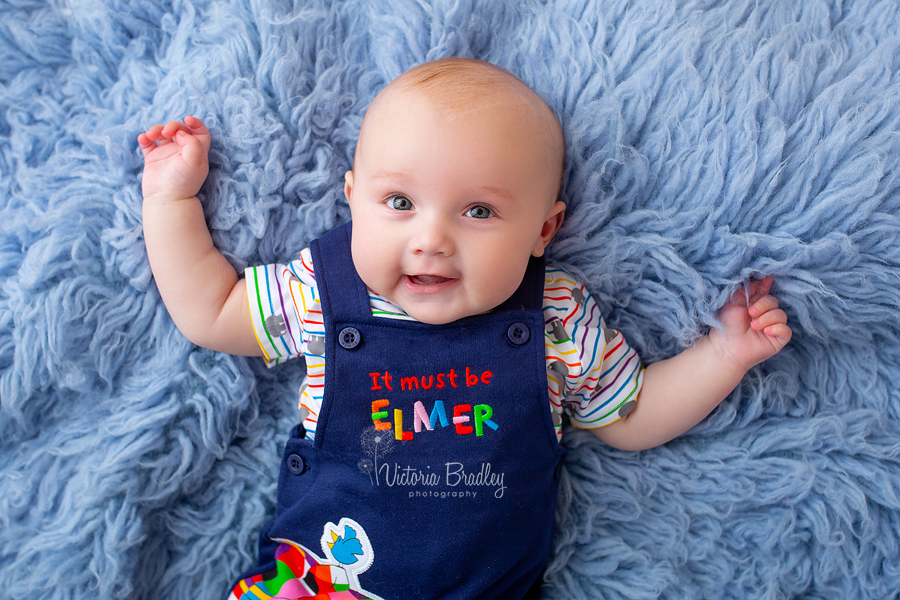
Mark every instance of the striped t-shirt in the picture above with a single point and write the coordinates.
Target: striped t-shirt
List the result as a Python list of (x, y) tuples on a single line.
[(591, 371)]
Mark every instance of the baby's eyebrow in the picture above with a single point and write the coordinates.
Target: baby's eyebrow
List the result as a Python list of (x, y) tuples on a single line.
[(488, 190), (391, 175), (495, 191)]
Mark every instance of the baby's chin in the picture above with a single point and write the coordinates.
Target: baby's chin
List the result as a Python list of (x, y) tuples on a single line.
[(440, 308), (436, 315)]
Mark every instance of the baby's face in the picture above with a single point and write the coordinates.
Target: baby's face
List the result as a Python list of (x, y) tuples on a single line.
[(448, 205)]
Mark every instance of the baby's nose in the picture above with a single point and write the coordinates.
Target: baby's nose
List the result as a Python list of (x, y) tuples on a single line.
[(433, 238)]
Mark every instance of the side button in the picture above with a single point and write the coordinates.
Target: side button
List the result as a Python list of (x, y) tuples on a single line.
[(295, 464)]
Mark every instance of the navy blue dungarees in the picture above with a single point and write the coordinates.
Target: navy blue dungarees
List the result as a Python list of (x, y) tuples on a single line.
[(433, 470)]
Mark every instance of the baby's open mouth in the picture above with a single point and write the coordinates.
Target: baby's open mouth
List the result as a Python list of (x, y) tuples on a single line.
[(428, 279)]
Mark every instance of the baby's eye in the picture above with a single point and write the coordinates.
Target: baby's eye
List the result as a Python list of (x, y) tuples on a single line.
[(400, 203), (480, 212)]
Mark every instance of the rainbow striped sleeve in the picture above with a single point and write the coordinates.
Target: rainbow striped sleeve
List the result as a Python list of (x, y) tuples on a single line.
[(287, 318), (591, 370), (284, 308)]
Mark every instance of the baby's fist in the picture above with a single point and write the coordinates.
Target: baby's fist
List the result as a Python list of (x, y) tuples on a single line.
[(175, 160), (753, 332)]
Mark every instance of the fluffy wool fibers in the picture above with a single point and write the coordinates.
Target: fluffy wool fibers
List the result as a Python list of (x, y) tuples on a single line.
[(709, 142)]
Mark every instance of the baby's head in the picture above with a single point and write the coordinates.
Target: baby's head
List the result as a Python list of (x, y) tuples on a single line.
[(454, 186)]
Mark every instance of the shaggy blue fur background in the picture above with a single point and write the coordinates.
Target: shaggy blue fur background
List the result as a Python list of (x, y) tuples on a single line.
[(709, 141)]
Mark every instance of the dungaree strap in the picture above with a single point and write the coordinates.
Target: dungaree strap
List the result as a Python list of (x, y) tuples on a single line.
[(530, 293), (342, 293)]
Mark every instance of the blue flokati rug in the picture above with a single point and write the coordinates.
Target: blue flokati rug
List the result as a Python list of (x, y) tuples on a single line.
[(708, 143)]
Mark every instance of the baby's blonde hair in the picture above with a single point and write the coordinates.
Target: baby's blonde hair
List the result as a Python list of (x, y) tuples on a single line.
[(455, 83)]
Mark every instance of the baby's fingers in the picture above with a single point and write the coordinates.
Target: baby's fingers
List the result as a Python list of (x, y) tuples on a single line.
[(773, 323), (145, 143), (768, 319), (198, 128), (171, 129), (751, 291), (148, 140), (779, 334), (762, 306), (760, 288), (191, 149)]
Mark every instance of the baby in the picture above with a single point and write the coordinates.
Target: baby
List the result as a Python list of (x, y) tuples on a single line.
[(441, 352)]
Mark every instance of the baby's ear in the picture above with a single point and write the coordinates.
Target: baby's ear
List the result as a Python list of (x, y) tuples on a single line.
[(348, 184), (551, 225)]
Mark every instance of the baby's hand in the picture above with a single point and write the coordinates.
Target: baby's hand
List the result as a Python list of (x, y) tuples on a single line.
[(752, 333), (175, 160)]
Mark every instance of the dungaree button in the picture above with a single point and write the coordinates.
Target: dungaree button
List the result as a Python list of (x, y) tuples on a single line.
[(295, 464), (349, 337), (518, 333)]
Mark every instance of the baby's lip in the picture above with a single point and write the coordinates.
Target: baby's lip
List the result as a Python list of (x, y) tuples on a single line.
[(428, 279), (428, 283)]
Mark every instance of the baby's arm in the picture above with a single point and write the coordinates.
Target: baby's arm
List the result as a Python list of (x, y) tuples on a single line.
[(201, 290), (680, 392)]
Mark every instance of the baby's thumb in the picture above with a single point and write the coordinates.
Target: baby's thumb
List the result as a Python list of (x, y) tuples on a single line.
[(191, 150)]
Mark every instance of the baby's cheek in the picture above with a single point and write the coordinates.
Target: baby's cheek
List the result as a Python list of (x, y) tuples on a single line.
[(368, 258), (497, 289)]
